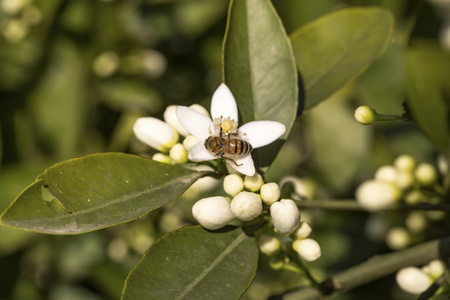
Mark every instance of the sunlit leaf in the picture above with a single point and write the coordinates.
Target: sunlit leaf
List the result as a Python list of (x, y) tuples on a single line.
[(336, 48), (259, 66), (96, 191), (193, 263)]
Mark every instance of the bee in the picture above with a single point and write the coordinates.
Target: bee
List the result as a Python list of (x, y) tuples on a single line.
[(228, 147)]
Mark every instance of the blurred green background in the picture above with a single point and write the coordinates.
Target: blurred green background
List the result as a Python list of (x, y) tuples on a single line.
[(75, 75)]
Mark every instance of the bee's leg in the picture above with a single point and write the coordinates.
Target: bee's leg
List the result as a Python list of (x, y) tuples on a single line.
[(231, 160)]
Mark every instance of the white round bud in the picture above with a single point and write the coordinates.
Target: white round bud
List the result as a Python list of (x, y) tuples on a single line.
[(200, 109), (268, 244), (308, 249), (416, 221), (405, 162), (398, 238), (213, 213), (246, 206), (155, 133), (270, 193), (13, 6), (303, 231), (178, 154), (426, 174), (435, 268), (412, 280), (162, 158), (285, 216), (386, 174), (253, 183), (365, 115), (233, 184), (170, 116), (375, 195), (190, 141), (404, 180), (106, 63)]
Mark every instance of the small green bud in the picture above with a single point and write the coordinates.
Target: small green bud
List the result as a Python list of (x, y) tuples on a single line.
[(426, 174), (365, 115), (178, 154)]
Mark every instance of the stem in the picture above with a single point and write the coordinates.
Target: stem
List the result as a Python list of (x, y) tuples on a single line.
[(375, 268), (350, 204), (294, 257)]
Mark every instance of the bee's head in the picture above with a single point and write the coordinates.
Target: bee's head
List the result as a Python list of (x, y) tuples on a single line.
[(214, 144)]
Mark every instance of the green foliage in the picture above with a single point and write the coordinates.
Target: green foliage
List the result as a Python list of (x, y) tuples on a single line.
[(96, 191), (205, 265), (330, 52)]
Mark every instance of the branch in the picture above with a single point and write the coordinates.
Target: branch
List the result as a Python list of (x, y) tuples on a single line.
[(375, 268)]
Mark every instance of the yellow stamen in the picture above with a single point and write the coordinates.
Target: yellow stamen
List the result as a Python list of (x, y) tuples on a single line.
[(226, 125)]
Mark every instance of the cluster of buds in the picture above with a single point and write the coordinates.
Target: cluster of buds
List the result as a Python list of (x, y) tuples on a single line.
[(405, 182), (417, 280), (21, 15)]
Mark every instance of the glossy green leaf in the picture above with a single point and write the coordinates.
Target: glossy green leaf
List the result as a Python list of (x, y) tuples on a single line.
[(193, 263), (96, 191), (427, 73), (259, 67), (336, 48)]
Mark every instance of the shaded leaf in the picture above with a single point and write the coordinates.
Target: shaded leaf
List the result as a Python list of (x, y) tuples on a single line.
[(193, 263), (336, 48), (259, 67), (427, 72), (96, 191)]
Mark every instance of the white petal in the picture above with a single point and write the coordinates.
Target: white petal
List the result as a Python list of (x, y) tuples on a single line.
[(198, 152), (170, 116), (155, 133), (223, 103), (261, 133), (197, 124), (247, 166)]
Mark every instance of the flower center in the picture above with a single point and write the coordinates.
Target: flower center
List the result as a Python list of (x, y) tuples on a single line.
[(227, 125)]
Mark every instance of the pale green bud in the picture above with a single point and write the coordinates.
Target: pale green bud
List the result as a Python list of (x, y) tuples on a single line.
[(13, 6), (162, 158), (405, 162), (365, 115), (178, 154), (285, 216), (106, 64), (398, 238), (414, 197), (412, 280), (386, 174), (375, 195), (416, 221), (253, 183), (308, 249), (270, 193), (303, 231), (426, 174), (268, 244), (246, 206), (233, 184), (213, 212), (435, 268), (405, 180)]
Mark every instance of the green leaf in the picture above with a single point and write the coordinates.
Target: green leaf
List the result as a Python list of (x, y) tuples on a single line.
[(259, 67), (96, 191), (427, 73), (336, 48), (193, 263)]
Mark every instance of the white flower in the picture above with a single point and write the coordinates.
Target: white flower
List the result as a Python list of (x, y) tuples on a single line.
[(285, 216), (170, 116), (412, 280), (376, 195), (155, 133), (246, 206), (213, 212), (224, 108), (308, 249)]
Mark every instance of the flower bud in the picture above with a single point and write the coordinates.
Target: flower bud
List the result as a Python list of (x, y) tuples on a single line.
[(253, 183), (375, 195), (106, 64), (303, 231), (170, 116), (303, 187), (268, 244), (414, 197), (285, 216), (405, 163), (412, 280), (213, 212), (435, 268), (190, 141), (165, 159), (270, 193), (426, 174), (155, 133), (246, 206), (233, 184), (416, 221), (404, 180), (397, 238), (13, 6), (365, 115), (200, 109), (308, 249), (386, 174), (178, 154)]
